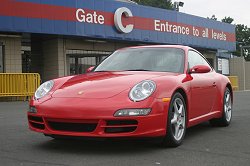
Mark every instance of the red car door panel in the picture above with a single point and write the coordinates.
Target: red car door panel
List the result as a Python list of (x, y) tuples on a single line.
[(203, 94)]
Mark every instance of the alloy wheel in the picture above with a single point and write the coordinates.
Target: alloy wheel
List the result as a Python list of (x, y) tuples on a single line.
[(178, 119), (228, 106)]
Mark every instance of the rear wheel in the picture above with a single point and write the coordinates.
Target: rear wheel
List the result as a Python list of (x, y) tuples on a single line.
[(227, 111), (176, 125)]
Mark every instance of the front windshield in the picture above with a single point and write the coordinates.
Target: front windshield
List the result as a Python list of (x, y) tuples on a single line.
[(145, 59)]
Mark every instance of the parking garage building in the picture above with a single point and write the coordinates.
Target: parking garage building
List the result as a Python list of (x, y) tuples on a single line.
[(61, 37)]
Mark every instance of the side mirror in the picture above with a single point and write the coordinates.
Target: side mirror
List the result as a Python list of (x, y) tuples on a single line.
[(200, 69), (90, 69)]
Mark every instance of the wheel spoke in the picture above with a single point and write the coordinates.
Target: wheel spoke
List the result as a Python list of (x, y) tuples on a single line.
[(227, 98), (182, 120), (227, 114), (226, 108), (175, 107), (180, 109), (174, 120), (183, 123), (177, 127)]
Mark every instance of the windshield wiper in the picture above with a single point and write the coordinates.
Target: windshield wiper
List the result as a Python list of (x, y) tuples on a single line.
[(122, 70), (138, 70), (102, 71)]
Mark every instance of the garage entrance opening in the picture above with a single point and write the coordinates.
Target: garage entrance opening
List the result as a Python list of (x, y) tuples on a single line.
[(211, 61), (78, 61)]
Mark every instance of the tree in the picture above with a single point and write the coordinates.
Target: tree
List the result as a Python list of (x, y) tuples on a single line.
[(243, 34), (212, 18), (242, 39), (228, 20), (164, 4)]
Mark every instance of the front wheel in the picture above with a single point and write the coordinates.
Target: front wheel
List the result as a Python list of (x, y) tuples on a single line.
[(227, 111), (176, 125)]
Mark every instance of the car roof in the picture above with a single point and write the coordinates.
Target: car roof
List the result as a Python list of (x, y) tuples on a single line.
[(160, 46)]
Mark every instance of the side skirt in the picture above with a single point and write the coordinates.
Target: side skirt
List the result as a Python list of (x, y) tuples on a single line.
[(203, 118)]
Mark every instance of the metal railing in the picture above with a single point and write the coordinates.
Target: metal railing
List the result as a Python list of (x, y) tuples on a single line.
[(234, 82), (19, 84)]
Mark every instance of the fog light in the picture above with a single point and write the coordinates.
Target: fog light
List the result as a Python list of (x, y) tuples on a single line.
[(32, 109), (133, 112)]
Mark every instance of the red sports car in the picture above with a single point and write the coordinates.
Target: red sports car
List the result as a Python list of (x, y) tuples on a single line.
[(147, 91)]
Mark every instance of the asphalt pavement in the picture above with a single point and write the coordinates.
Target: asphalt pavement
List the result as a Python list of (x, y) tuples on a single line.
[(203, 145)]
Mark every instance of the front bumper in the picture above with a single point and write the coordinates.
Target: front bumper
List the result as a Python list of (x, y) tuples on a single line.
[(94, 118)]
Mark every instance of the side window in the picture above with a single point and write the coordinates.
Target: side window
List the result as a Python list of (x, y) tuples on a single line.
[(196, 59)]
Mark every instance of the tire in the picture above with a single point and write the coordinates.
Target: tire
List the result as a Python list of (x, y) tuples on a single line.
[(176, 120), (227, 111)]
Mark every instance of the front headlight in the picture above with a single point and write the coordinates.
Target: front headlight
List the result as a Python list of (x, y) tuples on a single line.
[(44, 89), (142, 90)]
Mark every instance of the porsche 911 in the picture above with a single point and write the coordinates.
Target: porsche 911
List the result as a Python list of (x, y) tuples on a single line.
[(145, 91)]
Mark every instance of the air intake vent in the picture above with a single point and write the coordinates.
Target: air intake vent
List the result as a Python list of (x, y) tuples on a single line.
[(73, 127)]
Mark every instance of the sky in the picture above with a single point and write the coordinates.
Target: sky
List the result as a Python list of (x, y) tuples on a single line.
[(239, 10)]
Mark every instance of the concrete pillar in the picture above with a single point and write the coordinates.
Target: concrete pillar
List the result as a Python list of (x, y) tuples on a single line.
[(54, 59), (12, 53)]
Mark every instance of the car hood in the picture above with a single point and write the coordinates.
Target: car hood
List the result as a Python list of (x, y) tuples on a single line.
[(101, 85)]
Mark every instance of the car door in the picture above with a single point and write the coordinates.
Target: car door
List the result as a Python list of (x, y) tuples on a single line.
[(202, 87)]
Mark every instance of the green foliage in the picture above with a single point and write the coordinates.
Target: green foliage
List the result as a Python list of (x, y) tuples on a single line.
[(212, 18), (242, 37), (228, 20), (164, 4), (243, 34)]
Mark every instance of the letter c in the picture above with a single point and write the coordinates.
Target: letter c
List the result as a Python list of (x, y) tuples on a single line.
[(118, 20)]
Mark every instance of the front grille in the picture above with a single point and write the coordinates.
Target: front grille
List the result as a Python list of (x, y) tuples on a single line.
[(120, 126), (73, 127), (36, 122)]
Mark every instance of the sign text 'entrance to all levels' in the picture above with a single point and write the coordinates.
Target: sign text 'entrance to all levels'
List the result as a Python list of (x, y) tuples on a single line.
[(93, 17)]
